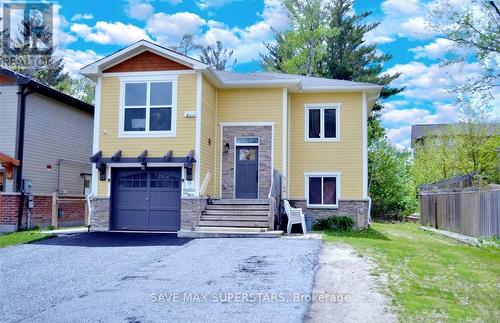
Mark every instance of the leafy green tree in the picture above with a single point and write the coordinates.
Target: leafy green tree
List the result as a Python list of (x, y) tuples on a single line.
[(474, 27), (80, 88), (217, 56), (391, 182), (301, 49), (457, 150)]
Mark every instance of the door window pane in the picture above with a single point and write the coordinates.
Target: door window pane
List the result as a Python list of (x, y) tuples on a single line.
[(135, 94), (247, 154), (314, 123), (161, 93), (314, 190), (135, 119), (160, 119), (329, 190), (330, 123)]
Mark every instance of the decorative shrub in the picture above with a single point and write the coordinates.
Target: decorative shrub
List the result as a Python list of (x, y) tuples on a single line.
[(336, 223)]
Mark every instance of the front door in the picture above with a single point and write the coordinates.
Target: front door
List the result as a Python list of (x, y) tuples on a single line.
[(247, 172)]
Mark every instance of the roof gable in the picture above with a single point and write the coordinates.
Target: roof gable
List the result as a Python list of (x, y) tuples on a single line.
[(136, 49), (146, 62)]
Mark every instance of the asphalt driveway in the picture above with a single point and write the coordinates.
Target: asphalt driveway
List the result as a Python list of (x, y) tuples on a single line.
[(113, 277)]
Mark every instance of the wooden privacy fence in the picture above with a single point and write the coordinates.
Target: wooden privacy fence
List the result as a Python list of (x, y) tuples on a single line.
[(471, 212), (57, 201)]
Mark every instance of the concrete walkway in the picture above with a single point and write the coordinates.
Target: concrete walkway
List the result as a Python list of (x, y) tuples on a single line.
[(348, 289)]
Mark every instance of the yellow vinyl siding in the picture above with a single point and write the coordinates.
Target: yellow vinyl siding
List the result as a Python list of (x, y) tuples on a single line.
[(110, 142), (344, 156), (251, 105), (208, 129)]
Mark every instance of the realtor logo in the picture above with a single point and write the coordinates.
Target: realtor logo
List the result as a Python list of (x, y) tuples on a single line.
[(27, 28)]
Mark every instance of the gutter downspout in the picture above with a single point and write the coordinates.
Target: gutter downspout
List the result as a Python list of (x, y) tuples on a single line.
[(24, 92)]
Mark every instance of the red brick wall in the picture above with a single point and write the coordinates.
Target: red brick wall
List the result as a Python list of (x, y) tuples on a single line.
[(42, 212)]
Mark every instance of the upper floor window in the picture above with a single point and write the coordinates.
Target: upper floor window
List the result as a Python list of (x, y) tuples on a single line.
[(322, 122), (148, 108)]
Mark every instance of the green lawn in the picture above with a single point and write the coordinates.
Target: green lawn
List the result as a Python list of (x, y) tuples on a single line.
[(429, 277), (23, 237)]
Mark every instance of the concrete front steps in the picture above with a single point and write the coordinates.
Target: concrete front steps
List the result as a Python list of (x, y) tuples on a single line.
[(233, 218)]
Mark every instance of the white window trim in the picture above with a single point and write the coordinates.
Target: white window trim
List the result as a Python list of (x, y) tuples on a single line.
[(322, 107), (148, 134), (307, 175)]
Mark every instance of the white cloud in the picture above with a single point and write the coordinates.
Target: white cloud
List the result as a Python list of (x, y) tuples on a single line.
[(60, 24), (110, 33), (139, 9), (74, 60), (436, 50), (432, 82), (206, 4), (400, 136), (402, 18), (173, 2), (169, 29), (82, 16)]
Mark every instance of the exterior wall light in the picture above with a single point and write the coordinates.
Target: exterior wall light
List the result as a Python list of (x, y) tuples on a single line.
[(226, 147)]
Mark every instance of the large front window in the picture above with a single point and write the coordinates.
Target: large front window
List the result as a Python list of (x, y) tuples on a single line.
[(322, 122), (322, 190), (148, 108)]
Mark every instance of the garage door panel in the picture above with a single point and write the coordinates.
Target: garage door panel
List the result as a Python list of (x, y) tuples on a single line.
[(132, 199), (146, 199), (163, 219), (131, 220)]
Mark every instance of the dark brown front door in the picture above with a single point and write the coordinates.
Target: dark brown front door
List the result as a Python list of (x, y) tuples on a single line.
[(247, 172)]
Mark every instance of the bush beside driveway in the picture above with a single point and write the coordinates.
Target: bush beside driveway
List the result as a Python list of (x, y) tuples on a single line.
[(125, 277)]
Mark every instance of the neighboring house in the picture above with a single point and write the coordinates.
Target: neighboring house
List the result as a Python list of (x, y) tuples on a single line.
[(170, 131), (46, 137), (422, 132)]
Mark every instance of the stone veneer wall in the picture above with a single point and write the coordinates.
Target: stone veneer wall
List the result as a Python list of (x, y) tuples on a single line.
[(356, 209), (191, 209), (265, 135), (99, 217)]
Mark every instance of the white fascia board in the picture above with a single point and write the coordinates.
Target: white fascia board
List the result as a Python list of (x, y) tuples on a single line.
[(138, 48), (340, 88)]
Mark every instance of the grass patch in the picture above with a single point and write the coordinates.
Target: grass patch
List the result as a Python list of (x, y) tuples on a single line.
[(430, 277), (21, 237)]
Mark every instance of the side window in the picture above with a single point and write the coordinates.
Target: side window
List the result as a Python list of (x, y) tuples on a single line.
[(321, 123)]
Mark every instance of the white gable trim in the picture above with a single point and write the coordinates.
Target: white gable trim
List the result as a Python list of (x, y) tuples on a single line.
[(135, 49)]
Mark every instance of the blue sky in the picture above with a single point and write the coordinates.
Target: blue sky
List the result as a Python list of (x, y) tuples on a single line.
[(89, 29)]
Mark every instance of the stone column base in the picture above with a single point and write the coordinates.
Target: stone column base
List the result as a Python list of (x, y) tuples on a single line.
[(191, 208), (99, 217)]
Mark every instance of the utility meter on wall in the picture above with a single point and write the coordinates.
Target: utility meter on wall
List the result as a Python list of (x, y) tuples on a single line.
[(26, 186)]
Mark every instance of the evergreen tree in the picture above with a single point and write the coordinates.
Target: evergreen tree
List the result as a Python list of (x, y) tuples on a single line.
[(52, 71)]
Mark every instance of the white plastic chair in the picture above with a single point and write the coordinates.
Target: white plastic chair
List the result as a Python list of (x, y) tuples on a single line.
[(294, 215)]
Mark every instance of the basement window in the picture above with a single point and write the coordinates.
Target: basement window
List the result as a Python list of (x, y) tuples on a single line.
[(322, 190)]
